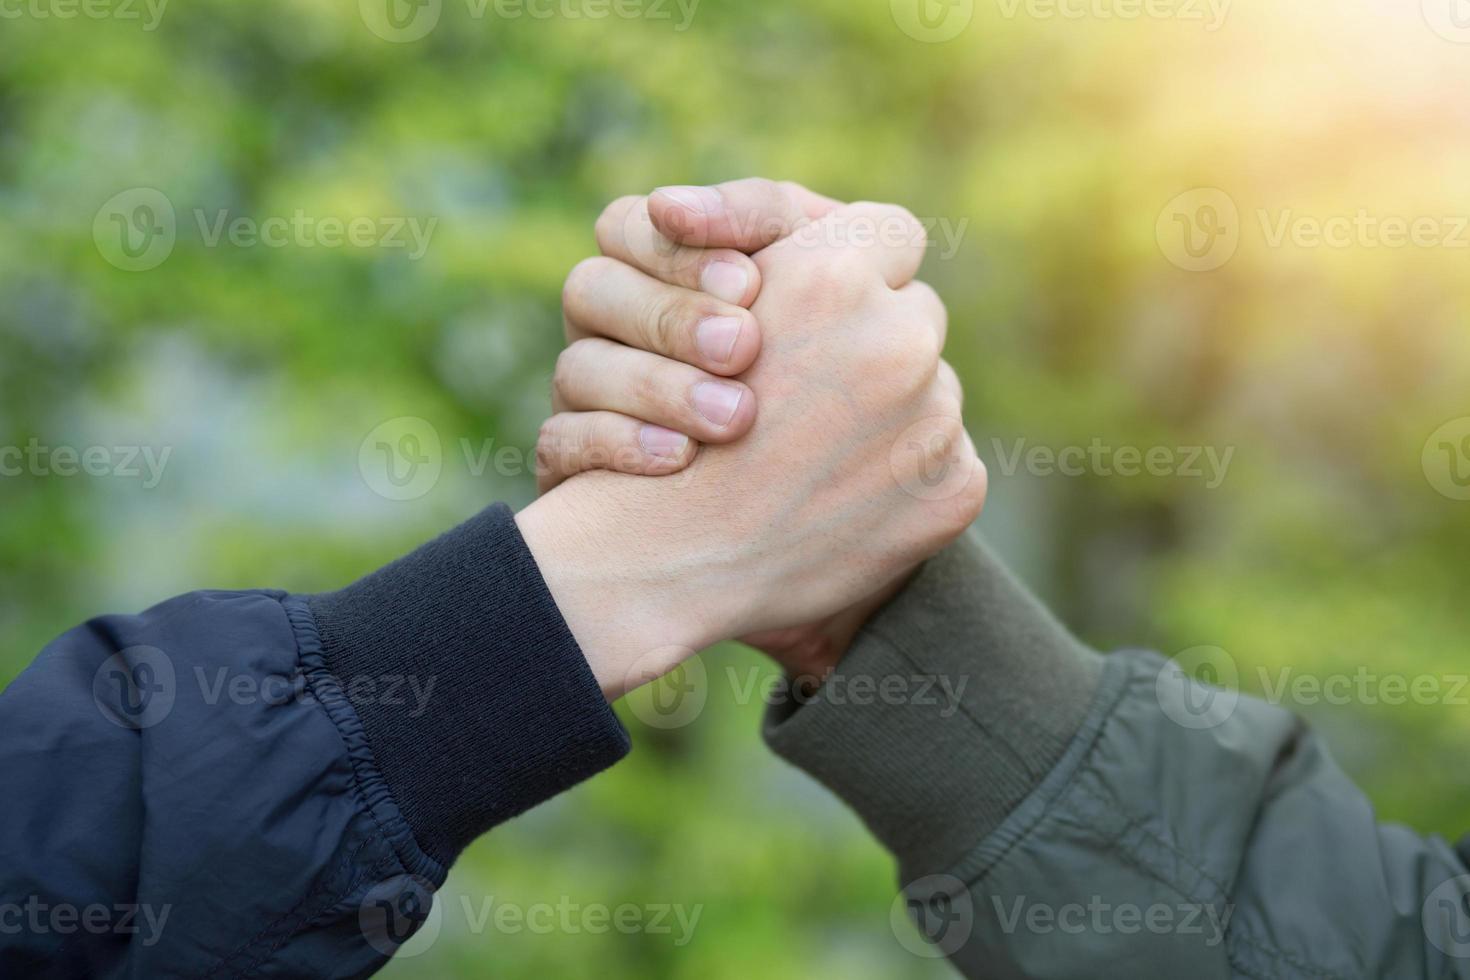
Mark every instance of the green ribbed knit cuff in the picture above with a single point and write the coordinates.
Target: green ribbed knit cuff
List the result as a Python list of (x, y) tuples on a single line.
[(952, 705)]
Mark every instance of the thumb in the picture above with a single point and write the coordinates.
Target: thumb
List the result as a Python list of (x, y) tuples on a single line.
[(742, 214)]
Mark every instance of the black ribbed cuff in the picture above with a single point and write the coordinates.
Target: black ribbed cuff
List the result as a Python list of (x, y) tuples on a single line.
[(950, 708), (475, 698)]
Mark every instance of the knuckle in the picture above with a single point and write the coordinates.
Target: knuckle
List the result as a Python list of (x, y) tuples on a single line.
[(661, 465), (549, 432), (603, 445), (841, 277), (790, 188), (977, 488), (772, 189), (779, 205), (906, 226), (969, 502), (925, 294), (664, 322), (564, 377), (666, 393), (611, 225), (550, 444), (762, 192), (921, 342), (576, 291), (939, 404), (950, 379), (647, 390), (951, 514), (894, 224)]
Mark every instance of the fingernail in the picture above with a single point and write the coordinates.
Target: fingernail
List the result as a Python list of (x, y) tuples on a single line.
[(716, 337), (658, 441), (726, 281), (717, 402), (702, 200)]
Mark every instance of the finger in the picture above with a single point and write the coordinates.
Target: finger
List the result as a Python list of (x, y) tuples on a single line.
[(743, 214), (626, 233), (599, 375), (929, 306), (574, 442), (606, 298), (894, 239), (813, 204), (949, 380)]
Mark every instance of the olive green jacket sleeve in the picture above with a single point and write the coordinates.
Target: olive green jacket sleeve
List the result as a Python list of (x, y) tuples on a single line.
[(1056, 813)]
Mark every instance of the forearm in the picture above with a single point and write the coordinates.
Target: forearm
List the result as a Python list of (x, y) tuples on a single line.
[(248, 779), (1109, 817), (987, 690)]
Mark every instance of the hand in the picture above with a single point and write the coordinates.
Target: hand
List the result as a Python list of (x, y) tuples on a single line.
[(614, 314), (655, 325), (832, 498)]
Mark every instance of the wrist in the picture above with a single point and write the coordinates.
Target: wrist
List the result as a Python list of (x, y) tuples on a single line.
[(633, 618)]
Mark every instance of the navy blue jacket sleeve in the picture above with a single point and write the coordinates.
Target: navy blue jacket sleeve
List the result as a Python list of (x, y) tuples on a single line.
[(240, 784)]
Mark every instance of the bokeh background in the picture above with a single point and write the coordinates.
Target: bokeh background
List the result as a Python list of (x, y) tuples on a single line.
[(1054, 151)]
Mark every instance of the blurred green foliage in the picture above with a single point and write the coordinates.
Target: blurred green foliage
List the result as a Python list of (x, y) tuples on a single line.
[(1049, 145)]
